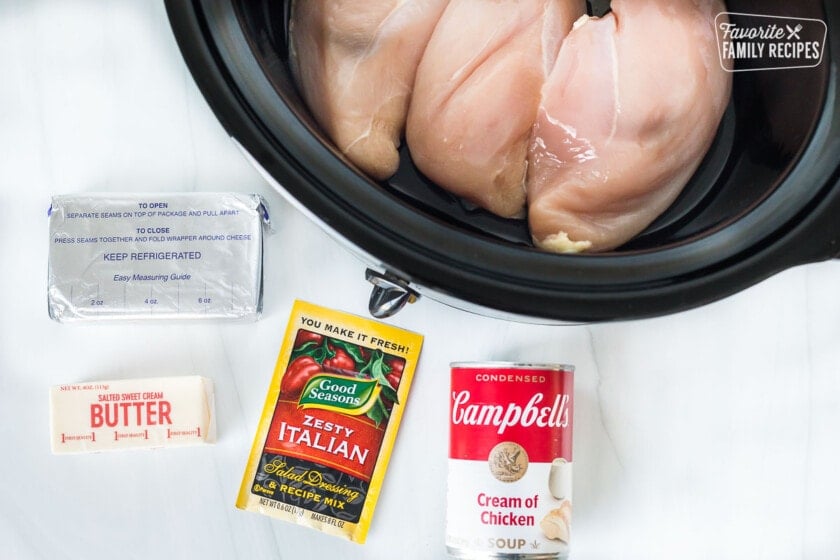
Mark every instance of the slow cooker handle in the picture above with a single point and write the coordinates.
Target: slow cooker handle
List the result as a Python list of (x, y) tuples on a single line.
[(389, 294)]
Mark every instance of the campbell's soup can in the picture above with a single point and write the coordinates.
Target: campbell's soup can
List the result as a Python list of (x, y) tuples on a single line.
[(509, 484)]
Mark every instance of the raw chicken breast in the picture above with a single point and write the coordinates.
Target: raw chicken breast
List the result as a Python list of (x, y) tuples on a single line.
[(627, 114), (355, 63), (476, 95)]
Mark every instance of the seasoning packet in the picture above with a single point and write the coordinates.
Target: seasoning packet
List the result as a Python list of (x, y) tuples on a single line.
[(330, 421)]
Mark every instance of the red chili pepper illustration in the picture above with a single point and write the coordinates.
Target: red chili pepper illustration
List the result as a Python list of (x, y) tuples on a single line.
[(298, 373), (396, 372), (304, 336), (341, 360)]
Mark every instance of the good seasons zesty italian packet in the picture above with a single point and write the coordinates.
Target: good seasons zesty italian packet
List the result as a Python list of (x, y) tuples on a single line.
[(329, 421)]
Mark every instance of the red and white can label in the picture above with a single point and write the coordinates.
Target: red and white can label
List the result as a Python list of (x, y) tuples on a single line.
[(510, 460)]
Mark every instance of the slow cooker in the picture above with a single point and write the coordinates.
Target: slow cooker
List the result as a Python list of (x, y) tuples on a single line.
[(765, 198)]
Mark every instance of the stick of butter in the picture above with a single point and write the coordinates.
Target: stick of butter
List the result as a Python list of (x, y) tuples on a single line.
[(134, 413)]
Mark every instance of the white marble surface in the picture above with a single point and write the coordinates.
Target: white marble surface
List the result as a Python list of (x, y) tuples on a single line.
[(708, 434)]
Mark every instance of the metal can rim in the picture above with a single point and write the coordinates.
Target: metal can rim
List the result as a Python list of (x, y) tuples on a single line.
[(514, 365)]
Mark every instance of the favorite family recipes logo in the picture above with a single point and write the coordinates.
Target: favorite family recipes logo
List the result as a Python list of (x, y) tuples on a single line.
[(750, 42)]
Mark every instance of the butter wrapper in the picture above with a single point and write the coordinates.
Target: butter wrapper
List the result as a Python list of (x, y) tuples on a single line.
[(131, 414), (330, 421)]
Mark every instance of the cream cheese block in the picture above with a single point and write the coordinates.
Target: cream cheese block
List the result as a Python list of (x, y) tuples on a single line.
[(132, 413), (156, 257)]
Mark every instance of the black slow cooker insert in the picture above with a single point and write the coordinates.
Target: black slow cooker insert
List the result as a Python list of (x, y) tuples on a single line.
[(765, 198)]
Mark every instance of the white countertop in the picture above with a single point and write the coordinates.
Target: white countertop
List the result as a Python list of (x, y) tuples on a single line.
[(707, 434)]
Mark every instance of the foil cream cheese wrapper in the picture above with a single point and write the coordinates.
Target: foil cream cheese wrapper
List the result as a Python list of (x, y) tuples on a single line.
[(156, 256)]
